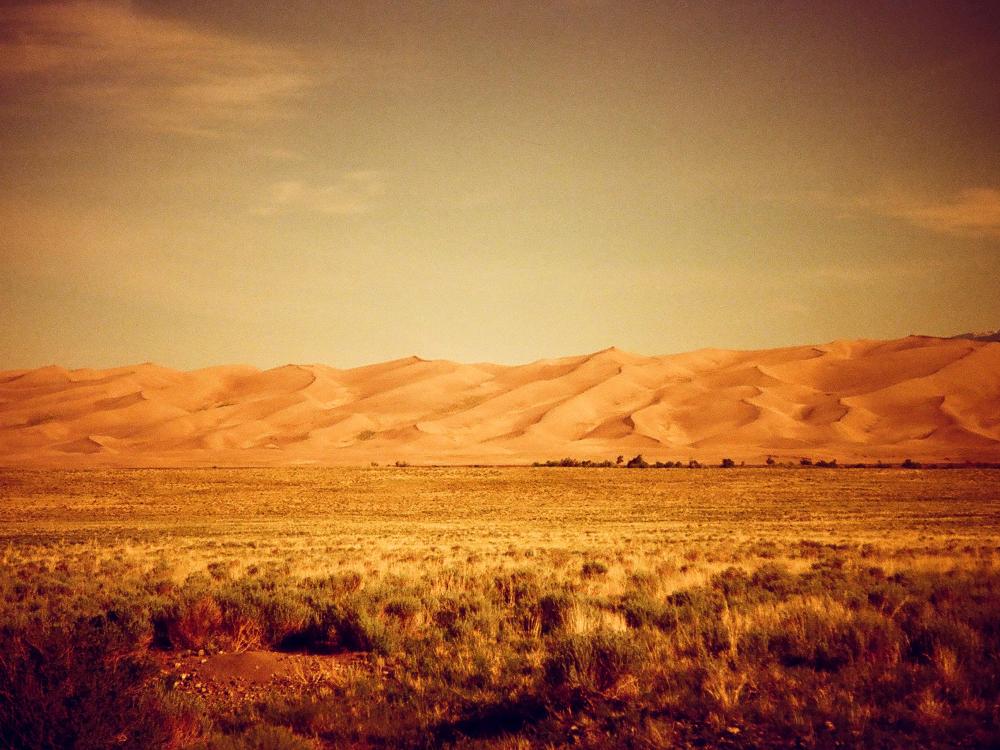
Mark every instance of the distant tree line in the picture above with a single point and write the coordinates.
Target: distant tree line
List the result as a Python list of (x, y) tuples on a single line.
[(638, 462)]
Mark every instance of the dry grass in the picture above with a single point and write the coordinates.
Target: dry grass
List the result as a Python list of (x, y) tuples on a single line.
[(505, 607)]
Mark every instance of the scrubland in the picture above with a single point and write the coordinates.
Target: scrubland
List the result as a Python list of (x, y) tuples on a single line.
[(501, 608)]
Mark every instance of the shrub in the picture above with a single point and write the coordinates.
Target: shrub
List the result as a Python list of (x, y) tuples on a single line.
[(282, 614), (257, 737), (774, 579), (554, 612), (641, 610), (518, 594), (221, 571), (456, 614), (593, 569), (637, 462), (732, 583), (403, 608), (84, 685), (594, 662), (727, 463), (358, 630), (814, 639), (191, 623)]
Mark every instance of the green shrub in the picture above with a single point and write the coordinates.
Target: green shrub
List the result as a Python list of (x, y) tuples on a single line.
[(84, 685), (257, 737), (555, 610), (455, 615), (641, 610), (283, 614), (824, 644), (403, 608), (775, 580), (359, 630), (191, 623), (517, 596), (593, 662), (593, 569)]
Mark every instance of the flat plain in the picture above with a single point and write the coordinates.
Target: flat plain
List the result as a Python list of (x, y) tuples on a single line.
[(499, 607)]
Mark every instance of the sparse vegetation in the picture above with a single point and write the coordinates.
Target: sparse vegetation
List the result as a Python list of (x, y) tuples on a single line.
[(519, 608)]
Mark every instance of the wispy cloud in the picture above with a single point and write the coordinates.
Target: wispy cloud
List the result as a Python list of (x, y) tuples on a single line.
[(354, 192), (142, 71), (874, 272), (970, 212), (973, 212)]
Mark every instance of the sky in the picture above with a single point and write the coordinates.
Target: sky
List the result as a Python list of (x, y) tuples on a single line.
[(195, 182)]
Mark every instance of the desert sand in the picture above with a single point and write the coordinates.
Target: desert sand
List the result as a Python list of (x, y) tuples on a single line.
[(924, 398)]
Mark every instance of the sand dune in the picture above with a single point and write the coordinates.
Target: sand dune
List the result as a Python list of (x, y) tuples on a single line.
[(919, 397)]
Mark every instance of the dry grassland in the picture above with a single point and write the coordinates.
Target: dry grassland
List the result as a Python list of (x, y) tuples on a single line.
[(501, 607)]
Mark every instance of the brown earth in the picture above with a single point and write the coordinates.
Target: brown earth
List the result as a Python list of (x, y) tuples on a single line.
[(226, 680)]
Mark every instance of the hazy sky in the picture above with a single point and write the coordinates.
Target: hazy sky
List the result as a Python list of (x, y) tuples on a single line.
[(197, 182)]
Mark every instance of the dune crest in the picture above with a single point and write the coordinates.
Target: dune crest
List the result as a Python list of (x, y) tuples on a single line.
[(920, 397)]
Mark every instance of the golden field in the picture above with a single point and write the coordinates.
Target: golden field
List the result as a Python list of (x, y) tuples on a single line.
[(500, 607)]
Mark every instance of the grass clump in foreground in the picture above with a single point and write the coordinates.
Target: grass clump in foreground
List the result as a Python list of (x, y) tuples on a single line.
[(839, 653), (625, 639)]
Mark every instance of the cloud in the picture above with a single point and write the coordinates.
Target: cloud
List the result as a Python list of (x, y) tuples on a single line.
[(354, 192), (972, 212), (874, 272), (143, 71)]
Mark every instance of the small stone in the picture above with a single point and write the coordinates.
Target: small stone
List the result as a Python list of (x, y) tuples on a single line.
[(733, 730), (184, 675), (829, 725), (203, 661), (201, 652)]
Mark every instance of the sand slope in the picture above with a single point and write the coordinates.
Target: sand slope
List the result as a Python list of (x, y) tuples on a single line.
[(919, 397)]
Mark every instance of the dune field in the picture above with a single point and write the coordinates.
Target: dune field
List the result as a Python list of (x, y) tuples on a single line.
[(918, 397)]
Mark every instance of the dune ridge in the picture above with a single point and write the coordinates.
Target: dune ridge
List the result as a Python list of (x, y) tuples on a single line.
[(919, 397)]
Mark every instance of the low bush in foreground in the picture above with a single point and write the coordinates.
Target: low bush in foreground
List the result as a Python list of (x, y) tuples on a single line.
[(83, 683), (840, 654)]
